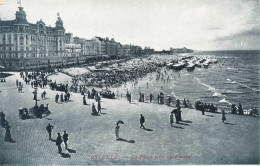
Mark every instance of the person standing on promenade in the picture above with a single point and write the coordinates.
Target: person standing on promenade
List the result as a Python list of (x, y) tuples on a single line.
[(44, 94), (223, 116), (68, 94), (65, 139), (61, 98), (8, 137), (99, 107), (117, 131), (151, 98), (49, 130), (84, 100), (57, 98), (142, 120), (130, 97), (171, 118), (58, 142), (203, 109), (240, 109), (179, 113)]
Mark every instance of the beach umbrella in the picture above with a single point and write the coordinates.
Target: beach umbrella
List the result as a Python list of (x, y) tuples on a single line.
[(119, 122)]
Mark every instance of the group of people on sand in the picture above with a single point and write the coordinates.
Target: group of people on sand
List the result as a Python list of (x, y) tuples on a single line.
[(2, 80), (114, 78), (37, 79), (95, 112), (205, 107), (141, 97), (235, 110), (59, 138), (129, 96), (63, 98)]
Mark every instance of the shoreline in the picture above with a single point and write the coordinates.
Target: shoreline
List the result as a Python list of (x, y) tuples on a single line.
[(90, 135)]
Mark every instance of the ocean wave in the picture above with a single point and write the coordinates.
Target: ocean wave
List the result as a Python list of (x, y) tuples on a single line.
[(230, 68), (211, 88), (231, 92), (248, 87), (216, 94)]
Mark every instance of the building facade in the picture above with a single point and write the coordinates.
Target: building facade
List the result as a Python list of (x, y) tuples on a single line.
[(24, 45)]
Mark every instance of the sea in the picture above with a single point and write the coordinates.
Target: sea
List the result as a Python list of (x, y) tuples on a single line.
[(234, 79)]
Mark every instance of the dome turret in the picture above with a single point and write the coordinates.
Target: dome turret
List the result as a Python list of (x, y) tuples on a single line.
[(59, 23), (21, 15)]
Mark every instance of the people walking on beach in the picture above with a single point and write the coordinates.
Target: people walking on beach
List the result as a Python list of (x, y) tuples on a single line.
[(65, 139), (185, 103), (84, 100), (49, 128), (58, 142), (61, 98), (57, 98), (68, 94), (179, 113), (44, 94), (223, 116), (240, 109), (178, 103), (203, 109), (169, 101), (117, 131), (151, 98), (171, 118), (99, 107), (65, 97), (142, 120), (130, 97)]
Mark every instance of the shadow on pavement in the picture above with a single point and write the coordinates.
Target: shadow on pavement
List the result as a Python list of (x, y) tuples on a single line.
[(124, 140), (71, 150), (53, 140), (148, 129), (65, 155), (10, 140), (178, 127), (229, 123), (183, 124), (186, 121)]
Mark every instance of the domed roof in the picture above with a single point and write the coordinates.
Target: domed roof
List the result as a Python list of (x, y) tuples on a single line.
[(21, 16), (59, 23)]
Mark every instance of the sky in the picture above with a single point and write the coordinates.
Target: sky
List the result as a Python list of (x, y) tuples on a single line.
[(160, 24)]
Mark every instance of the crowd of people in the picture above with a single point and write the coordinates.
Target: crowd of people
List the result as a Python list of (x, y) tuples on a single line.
[(205, 107)]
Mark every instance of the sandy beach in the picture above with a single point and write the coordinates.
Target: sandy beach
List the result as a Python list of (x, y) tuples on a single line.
[(197, 140)]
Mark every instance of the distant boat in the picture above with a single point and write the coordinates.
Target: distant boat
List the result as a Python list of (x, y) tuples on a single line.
[(206, 64), (190, 67), (178, 66)]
